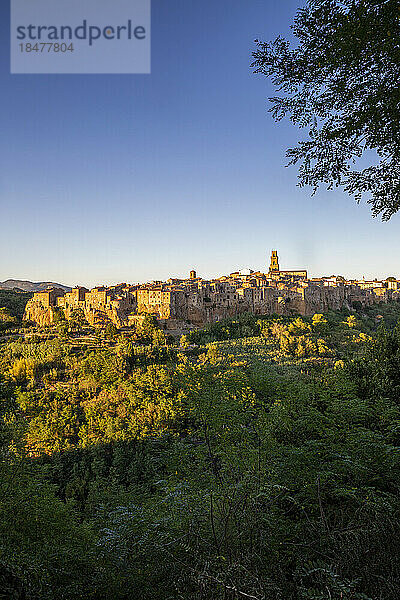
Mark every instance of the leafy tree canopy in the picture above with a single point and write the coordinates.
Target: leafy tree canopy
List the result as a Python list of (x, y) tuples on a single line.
[(340, 82)]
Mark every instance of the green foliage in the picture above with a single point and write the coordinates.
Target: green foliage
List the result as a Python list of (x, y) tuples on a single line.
[(77, 320), (159, 338), (7, 320), (184, 342), (245, 325), (351, 322), (110, 330), (344, 64), (6, 316), (29, 362), (263, 465), (45, 551), (319, 323), (102, 367), (58, 316), (14, 302), (299, 327), (146, 405), (377, 369)]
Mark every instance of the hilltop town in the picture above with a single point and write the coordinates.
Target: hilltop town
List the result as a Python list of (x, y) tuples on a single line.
[(186, 303)]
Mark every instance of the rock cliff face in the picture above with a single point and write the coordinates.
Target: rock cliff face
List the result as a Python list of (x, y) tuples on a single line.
[(193, 306), (97, 317), (39, 314)]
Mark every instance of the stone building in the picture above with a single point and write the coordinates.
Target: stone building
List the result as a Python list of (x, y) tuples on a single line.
[(179, 303), (42, 308)]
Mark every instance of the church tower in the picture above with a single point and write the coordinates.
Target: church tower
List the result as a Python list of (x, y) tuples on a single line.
[(274, 264)]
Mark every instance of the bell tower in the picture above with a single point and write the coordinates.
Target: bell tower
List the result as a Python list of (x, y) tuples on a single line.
[(274, 264)]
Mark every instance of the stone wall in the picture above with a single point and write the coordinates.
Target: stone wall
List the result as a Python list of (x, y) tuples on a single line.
[(203, 302)]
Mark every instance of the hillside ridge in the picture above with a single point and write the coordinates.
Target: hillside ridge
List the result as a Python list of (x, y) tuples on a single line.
[(30, 286)]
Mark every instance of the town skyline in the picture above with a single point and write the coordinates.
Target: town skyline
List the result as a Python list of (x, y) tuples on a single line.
[(179, 304), (181, 165), (213, 276)]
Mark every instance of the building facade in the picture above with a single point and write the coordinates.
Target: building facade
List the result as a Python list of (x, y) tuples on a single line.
[(194, 302)]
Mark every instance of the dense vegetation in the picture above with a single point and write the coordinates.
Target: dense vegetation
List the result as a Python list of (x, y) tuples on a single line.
[(14, 301), (343, 65), (257, 458)]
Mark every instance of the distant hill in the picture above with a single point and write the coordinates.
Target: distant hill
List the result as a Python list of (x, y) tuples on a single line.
[(30, 286)]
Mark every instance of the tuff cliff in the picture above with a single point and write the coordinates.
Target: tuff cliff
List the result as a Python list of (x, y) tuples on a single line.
[(38, 313)]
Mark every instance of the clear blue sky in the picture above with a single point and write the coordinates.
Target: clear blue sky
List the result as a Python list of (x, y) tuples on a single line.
[(137, 177)]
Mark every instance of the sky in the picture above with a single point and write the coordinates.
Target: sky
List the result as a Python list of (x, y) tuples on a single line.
[(128, 178)]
